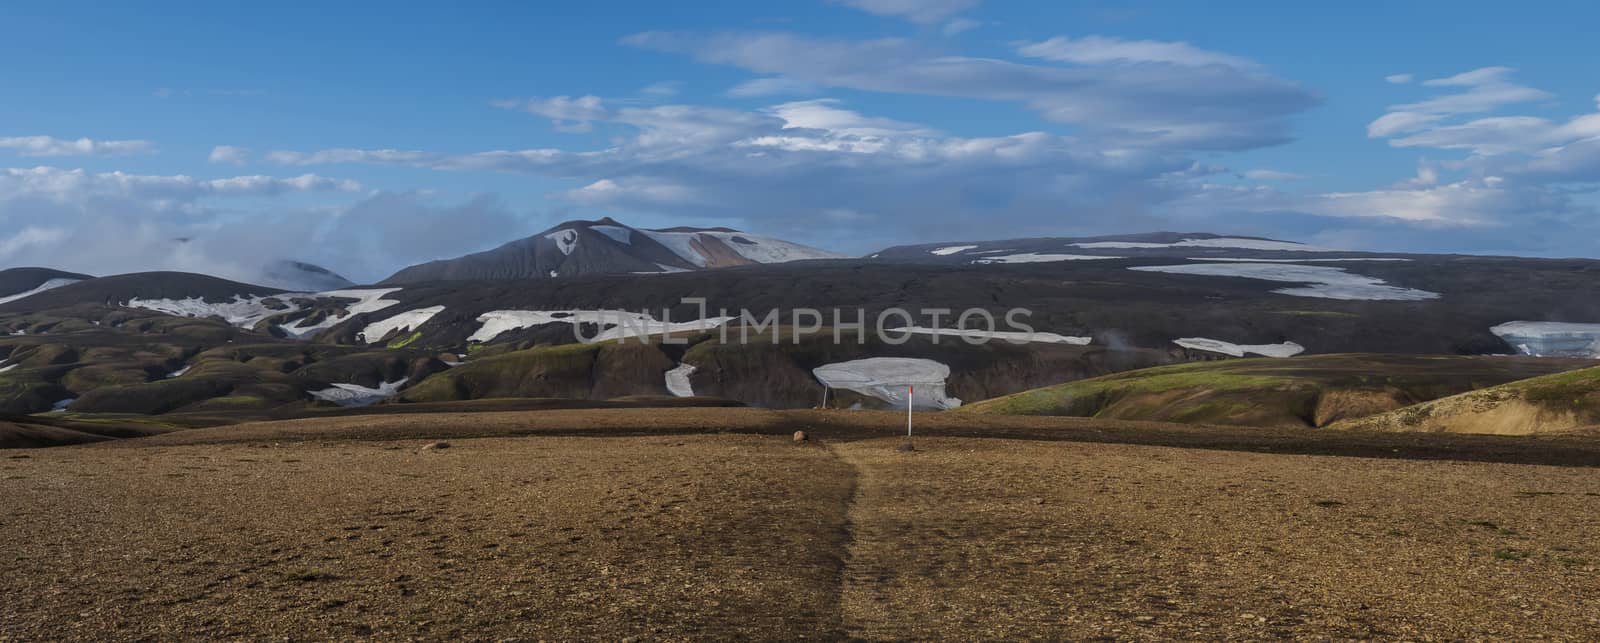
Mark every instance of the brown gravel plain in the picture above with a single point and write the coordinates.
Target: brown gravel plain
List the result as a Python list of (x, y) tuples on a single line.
[(694, 524)]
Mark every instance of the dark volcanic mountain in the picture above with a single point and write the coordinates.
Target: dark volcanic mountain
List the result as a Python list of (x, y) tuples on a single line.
[(1102, 305), (601, 247), (18, 283)]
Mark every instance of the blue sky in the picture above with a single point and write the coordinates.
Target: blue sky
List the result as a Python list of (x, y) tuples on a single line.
[(366, 137)]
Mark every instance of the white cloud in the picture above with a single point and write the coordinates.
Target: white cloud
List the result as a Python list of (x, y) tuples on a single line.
[(642, 192), (1510, 145), (79, 184), (663, 89), (959, 25), (825, 114), (1394, 123), (28, 237), (1524, 185), (50, 146), (1487, 89), (229, 154), (566, 113), (1100, 50), (1272, 175), (922, 12), (759, 87), (777, 167), (1461, 203), (1398, 79), (1165, 106), (115, 222), (346, 155)]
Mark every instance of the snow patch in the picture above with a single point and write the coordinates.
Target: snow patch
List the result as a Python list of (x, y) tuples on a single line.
[(1034, 257), (992, 335), (678, 380), (1224, 242), (949, 250), (1119, 245), (375, 332), (1551, 339), (368, 300), (180, 372), (1248, 244), (353, 395), (243, 312), (617, 323), (47, 285), (620, 234), (756, 248), (1305, 260), (566, 239), (889, 378), (1286, 349), (8, 367), (1325, 282)]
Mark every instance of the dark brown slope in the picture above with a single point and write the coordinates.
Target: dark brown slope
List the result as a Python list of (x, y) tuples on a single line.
[(20, 280), (119, 289), (566, 250)]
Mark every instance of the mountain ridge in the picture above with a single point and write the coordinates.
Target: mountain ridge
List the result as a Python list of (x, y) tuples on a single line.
[(605, 246)]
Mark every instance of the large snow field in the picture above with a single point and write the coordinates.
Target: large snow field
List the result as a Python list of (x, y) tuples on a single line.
[(368, 300), (246, 312), (617, 323), (949, 250), (408, 320), (1286, 349), (353, 395), (888, 379), (1305, 260), (678, 380), (1325, 282), (996, 335), (1224, 242), (1551, 339), (50, 284), (1035, 257), (243, 312)]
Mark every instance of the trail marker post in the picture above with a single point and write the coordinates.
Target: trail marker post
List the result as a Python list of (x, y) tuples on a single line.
[(911, 390)]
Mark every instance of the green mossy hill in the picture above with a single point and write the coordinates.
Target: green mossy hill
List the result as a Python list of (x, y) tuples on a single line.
[(576, 371), (1558, 403), (761, 371), (1310, 391)]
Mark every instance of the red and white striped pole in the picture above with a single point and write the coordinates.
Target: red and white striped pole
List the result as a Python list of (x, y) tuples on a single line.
[(911, 391)]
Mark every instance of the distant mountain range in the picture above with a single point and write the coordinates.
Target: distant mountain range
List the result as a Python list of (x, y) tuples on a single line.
[(577, 248), (501, 323)]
